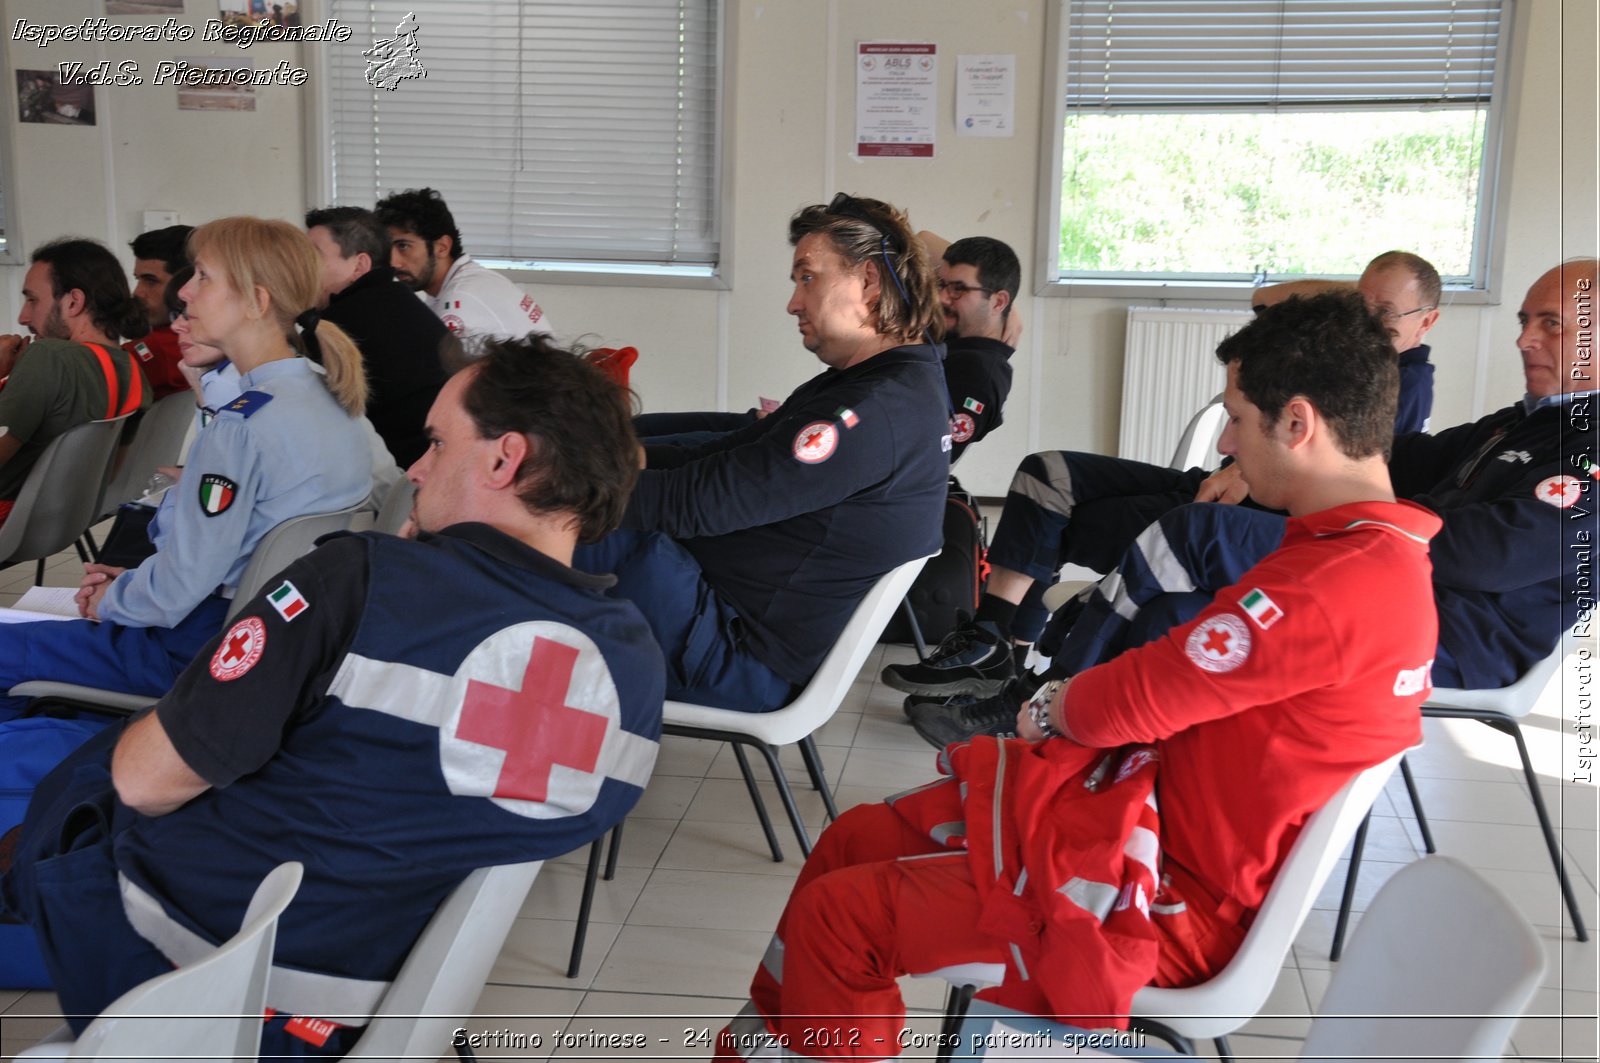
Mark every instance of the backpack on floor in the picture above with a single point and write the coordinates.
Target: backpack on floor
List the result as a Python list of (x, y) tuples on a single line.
[(30, 748), (949, 584)]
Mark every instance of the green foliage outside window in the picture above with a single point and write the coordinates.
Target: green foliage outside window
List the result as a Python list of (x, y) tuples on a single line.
[(1299, 192)]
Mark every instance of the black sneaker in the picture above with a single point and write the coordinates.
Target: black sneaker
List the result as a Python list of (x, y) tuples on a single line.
[(958, 719), (972, 659)]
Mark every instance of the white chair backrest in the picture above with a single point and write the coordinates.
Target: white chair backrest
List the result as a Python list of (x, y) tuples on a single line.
[(440, 981), (1197, 447), (1227, 1001), (1520, 698), (1440, 967), (210, 1009), (157, 441), (396, 507), (287, 542), (58, 499), (821, 697)]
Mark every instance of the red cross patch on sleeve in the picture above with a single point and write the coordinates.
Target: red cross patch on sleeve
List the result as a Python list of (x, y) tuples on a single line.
[(239, 650), (1220, 644), (815, 443)]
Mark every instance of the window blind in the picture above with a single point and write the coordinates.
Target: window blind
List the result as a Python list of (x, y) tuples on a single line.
[(1223, 54), (583, 132)]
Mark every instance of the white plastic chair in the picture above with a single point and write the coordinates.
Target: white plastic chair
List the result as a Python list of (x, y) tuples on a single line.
[(439, 984), (1440, 968), (210, 1009), (278, 548), (1499, 708), (1217, 1007), (1197, 447), (58, 500), (797, 721), (156, 442)]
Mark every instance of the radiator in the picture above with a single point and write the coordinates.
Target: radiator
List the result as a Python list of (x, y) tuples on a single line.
[(1170, 372)]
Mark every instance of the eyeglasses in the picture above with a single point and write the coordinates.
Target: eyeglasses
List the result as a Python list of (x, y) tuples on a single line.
[(1389, 317), (957, 289)]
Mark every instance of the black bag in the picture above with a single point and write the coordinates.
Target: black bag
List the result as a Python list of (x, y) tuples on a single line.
[(128, 543), (949, 584)]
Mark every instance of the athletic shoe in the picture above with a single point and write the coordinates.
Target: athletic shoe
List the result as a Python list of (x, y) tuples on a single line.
[(972, 659), (958, 719)]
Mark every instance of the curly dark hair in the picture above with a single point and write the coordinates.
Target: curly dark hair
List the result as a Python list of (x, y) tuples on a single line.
[(1331, 350), (421, 211), (584, 459), (865, 230), (92, 269), (170, 245)]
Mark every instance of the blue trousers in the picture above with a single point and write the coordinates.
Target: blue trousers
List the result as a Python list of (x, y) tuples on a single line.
[(133, 660), (702, 638), (1171, 573), (1066, 507), (63, 881)]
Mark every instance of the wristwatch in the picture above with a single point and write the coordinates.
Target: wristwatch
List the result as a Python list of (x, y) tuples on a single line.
[(1039, 707)]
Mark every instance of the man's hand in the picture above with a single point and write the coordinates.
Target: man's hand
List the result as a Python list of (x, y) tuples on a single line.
[(11, 348), (96, 581), (1226, 485), (1013, 331)]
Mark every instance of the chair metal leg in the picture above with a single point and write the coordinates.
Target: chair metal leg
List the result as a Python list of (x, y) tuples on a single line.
[(1510, 727), (787, 796), (1351, 874), (1224, 1050), (591, 873), (38, 574), (755, 799), (956, 1004), (611, 854), (1416, 807), (83, 555), (917, 638), (813, 759)]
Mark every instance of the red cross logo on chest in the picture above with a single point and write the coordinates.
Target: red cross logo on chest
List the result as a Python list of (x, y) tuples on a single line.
[(535, 726)]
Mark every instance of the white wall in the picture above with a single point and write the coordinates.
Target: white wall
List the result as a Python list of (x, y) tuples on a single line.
[(792, 105)]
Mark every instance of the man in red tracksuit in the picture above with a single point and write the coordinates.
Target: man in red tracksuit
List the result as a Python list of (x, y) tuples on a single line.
[(1040, 853)]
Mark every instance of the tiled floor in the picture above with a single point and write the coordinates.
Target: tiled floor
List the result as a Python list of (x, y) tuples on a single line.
[(676, 935)]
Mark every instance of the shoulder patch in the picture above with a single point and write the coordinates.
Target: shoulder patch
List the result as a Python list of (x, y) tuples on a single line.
[(1258, 607), (144, 352), (962, 427), (1220, 644), (239, 650), (848, 417), (972, 404), (1559, 491), (247, 405), (815, 443), (454, 323), (288, 601), (216, 494)]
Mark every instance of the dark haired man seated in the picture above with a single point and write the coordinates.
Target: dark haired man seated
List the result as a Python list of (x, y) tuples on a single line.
[(1049, 854), (389, 746)]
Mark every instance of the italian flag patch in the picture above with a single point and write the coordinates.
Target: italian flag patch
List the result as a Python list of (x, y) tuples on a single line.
[(1263, 610), (848, 416), (974, 405), (288, 601), (216, 494)]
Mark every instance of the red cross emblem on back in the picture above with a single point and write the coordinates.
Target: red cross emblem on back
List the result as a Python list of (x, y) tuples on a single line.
[(535, 726)]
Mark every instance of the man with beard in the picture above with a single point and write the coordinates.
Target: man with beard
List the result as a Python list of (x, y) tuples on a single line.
[(474, 302), (75, 302)]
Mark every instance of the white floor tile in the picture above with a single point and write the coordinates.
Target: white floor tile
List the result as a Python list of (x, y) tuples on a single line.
[(711, 899)]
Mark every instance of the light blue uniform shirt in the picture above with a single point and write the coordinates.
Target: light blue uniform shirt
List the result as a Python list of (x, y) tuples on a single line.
[(248, 471)]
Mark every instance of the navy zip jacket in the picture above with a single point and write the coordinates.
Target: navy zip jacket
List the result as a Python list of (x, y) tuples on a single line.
[(1517, 496), (793, 518)]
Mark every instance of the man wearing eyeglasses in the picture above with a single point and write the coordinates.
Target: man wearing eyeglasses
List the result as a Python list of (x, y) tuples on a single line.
[(978, 278)]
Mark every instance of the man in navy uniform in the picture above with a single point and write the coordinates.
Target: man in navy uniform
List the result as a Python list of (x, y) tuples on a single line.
[(393, 714)]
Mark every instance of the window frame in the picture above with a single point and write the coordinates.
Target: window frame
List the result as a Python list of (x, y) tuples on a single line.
[(318, 108), (1493, 202)]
